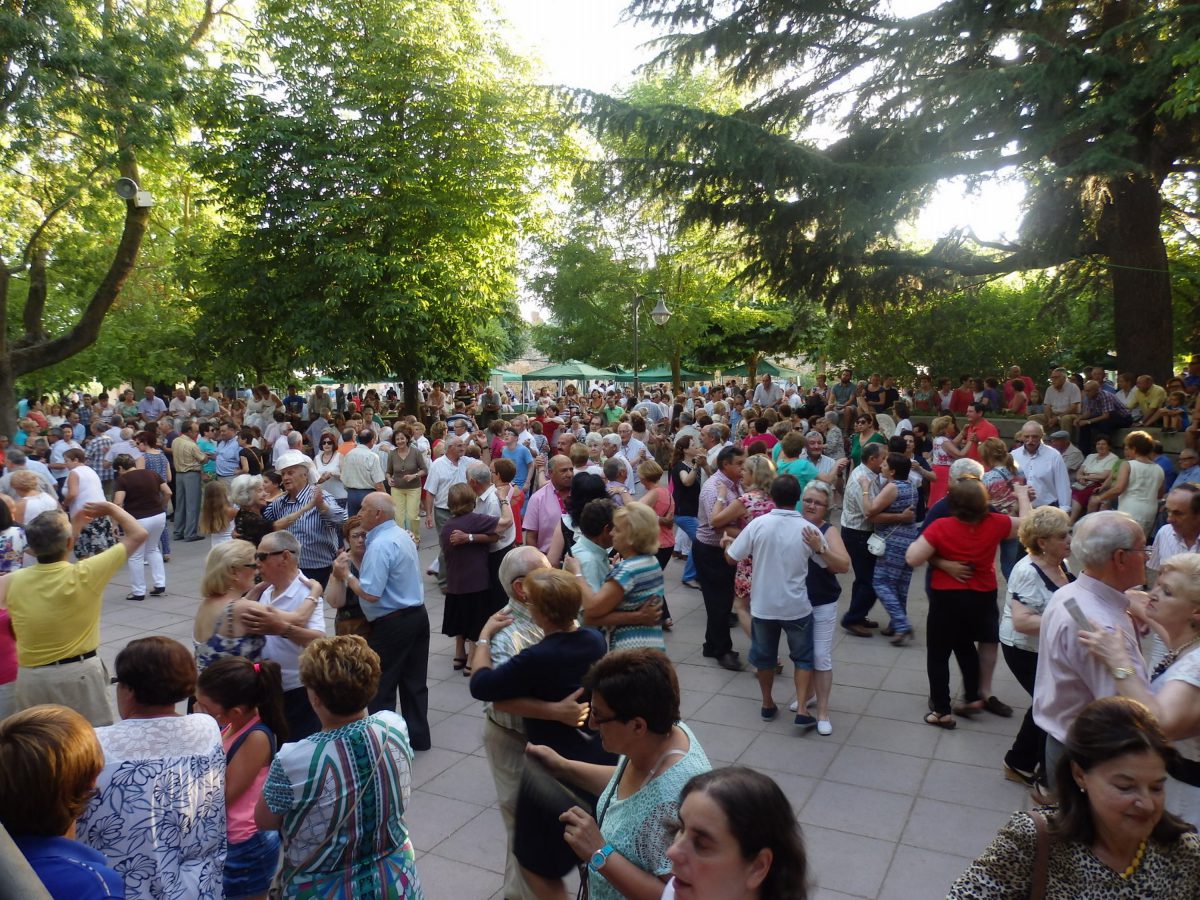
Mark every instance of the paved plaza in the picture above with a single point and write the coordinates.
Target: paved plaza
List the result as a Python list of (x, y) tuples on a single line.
[(891, 808)]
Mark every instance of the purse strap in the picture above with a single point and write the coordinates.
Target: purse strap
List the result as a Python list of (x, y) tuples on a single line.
[(1041, 857)]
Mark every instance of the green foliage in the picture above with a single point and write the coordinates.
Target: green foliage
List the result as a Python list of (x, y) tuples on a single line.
[(377, 181)]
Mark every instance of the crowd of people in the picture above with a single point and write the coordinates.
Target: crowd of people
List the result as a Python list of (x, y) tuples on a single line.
[(556, 523)]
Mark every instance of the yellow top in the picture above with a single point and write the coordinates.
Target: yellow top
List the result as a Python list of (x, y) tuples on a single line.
[(55, 607)]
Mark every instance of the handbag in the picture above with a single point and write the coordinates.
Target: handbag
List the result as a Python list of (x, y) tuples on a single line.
[(1041, 858), (877, 544), (280, 881)]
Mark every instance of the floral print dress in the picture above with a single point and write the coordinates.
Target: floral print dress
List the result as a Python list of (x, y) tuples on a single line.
[(757, 503)]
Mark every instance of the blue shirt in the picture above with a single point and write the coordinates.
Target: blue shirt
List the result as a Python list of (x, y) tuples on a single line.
[(1168, 467), (522, 459), (152, 408), (70, 870), (1190, 475), (208, 446), (390, 571), (319, 533), (227, 458)]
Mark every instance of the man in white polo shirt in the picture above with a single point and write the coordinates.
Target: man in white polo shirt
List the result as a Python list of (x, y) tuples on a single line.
[(446, 471), (781, 542)]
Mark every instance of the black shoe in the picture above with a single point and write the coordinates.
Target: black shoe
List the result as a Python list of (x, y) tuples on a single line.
[(730, 661), (193, 540), (136, 597), (158, 592)]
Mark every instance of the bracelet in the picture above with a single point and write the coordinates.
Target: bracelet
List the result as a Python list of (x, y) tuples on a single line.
[(470, 538)]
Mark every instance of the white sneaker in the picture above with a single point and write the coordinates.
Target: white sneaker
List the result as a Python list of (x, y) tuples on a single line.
[(794, 706), (824, 727)]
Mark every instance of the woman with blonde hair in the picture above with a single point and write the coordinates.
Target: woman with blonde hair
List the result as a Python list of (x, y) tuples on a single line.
[(755, 501), (217, 513), (1045, 535), (1173, 692), (944, 453), (634, 581), (999, 476), (356, 761)]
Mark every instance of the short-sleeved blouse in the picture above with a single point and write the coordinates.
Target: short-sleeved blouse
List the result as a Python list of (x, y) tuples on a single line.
[(757, 504), (1030, 587), (640, 577), (1183, 799), (159, 814), (637, 827), (313, 784)]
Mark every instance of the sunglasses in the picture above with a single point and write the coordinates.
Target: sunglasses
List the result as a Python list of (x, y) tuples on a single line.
[(262, 556)]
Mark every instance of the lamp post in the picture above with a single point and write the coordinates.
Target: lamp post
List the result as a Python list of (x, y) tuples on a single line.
[(660, 314)]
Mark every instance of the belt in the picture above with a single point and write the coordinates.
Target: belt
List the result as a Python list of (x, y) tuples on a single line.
[(403, 611), (70, 659)]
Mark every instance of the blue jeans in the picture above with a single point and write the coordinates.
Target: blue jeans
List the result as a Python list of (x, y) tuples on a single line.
[(688, 525), (764, 642)]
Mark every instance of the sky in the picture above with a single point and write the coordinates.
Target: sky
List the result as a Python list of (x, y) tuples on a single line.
[(584, 43)]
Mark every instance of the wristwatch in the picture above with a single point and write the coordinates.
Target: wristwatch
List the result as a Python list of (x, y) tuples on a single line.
[(1121, 673), (600, 857)]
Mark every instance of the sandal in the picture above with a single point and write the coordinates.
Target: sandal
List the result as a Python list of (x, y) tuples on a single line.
[(668, 624), (938, 721), (460, 662)]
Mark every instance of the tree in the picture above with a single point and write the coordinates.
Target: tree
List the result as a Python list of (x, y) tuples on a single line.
[(377, 182), (1085, 100), (88, 92)]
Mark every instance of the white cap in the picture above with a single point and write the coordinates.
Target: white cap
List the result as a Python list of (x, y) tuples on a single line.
[(290, 458)]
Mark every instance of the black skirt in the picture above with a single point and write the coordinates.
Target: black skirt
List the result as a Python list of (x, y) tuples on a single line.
[(466, 614)]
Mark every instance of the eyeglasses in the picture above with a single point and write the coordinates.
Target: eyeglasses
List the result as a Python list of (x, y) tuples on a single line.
[(598, 720), (358, 536), (813, 502), (262, 556)]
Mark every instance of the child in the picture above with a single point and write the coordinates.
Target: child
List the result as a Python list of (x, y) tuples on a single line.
[(217, 513), (466, 540), (1175, 412), (246, 699)]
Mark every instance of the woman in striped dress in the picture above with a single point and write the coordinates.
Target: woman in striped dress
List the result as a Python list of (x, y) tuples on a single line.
[(338, 797)]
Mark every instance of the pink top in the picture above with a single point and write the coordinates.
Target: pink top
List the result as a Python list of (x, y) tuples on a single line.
[(239, 815), (543, 514), (664, 504), (1068, 676)]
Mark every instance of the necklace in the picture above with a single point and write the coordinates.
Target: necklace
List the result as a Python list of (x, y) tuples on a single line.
[(1169, 659), (1137, 861)]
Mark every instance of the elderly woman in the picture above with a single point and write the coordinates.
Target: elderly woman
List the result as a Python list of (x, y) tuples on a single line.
[(757, 476), (964, 612), (1098, 468), (355, 762), (737, 840), (999, 476), (549, 670), (328, 464), (943, 455), (144, 495), (49, 761), (1138, 484), (892, 572), (635, 707), (406, 471), (1173, 692), (1110, 835), (159, 810), (1045, 535)]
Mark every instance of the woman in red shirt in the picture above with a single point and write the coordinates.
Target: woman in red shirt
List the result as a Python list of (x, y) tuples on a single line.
[(962, 591)]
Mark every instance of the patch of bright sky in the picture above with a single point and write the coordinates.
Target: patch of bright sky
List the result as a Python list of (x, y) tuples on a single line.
[(589, 44)]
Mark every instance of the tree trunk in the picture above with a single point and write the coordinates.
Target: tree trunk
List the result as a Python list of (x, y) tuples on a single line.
[(676, 381), (1130, 233), (8, 400), (412, 402), (751, 371)]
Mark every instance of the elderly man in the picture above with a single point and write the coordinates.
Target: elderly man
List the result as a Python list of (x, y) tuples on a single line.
[(1112, 549), (182, 407), (1014, 378), (150, 407), (319, 403), (491, 499), (1189, 468), (1103, 413), (1147, 400), (828, 468), (1071, 455), (767, 393), (1062, 399), (446, 471), (57, 641), (862, 485), (544, 510), (282, 592), (1043, 468), (188, 461), (634, 453), (229, 461), (712, 571), (362, 472), (1181, 534), (393, 600), (320, 424), (206, 406), (16, 461), (58, 466), (310, 516)]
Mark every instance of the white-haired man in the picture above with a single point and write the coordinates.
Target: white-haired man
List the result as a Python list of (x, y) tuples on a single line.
[(1043, 468)]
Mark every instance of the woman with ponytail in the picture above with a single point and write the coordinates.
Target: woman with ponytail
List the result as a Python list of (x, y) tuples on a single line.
[(246, 699)]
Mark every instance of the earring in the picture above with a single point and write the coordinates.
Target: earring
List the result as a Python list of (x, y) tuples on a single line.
[(1082, 789)]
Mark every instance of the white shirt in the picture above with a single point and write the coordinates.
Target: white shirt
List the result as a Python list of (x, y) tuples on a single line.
[(361, 469), (56, 456), (119, 447), (767, 396), (283, 651), (488, 503), (525, 436), (1168, 543), (182, 409), (1060, 400), (1047, 474), (779, 589), (443, 475), (634, 453), (280, 446)]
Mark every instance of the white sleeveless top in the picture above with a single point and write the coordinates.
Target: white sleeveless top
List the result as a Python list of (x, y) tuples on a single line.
[(90, 488)]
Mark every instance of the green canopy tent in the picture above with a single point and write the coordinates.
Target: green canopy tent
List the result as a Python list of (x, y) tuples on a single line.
[(663, 373), (571, 370), (765, 367), (505, 375)]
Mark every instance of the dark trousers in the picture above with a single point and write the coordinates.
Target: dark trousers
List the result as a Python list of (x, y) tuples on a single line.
[(298, 713), (187, 505), (1028, 749), (716, 585), (862, 594), (354, 499), (1089, 433), (402, 641), (664, 556), (320, 574), (950, 629)]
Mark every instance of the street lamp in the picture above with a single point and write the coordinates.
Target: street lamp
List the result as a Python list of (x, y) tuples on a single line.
[(660, 314)]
